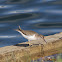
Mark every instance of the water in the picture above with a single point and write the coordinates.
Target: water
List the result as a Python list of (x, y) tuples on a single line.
[(41, 16)]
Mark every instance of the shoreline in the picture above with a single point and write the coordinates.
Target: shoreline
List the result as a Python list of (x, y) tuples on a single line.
[(24, 52)]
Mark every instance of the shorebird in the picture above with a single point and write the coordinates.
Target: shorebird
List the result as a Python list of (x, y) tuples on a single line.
[(30, 35)]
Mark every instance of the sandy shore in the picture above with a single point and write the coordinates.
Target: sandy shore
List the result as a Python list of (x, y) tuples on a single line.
[(23, 50)]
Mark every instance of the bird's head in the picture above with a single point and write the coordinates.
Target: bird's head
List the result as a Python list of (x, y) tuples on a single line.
[(19, 29)]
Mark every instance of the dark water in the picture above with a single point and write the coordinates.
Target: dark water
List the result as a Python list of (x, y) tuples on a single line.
[(42, 16)]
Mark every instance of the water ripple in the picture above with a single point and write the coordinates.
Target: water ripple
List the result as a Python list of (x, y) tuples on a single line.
[(54, 11), (42, 16), (7, 36), (22, 11), (47, 25)]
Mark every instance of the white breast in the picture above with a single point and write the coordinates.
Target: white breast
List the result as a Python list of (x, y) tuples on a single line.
[(28, 37)]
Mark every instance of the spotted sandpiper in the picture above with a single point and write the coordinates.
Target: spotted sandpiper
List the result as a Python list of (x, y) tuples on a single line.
[(30, 35)]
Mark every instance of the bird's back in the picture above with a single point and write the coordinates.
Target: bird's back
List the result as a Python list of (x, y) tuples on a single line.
[(28, 32)]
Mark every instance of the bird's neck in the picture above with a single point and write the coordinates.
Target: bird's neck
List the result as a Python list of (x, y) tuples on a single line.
[(21, 31)]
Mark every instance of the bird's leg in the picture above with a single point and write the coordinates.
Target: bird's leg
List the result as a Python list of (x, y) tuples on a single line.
[(29, 42), (44, 39)]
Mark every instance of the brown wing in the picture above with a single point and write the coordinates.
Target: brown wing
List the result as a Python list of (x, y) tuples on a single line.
[(29, 32)]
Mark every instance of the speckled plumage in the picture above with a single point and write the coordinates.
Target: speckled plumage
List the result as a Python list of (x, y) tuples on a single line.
[(30, 35)]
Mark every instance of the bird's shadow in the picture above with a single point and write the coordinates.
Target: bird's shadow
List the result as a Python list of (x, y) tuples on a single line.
[(22, 45), (26, 45)]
